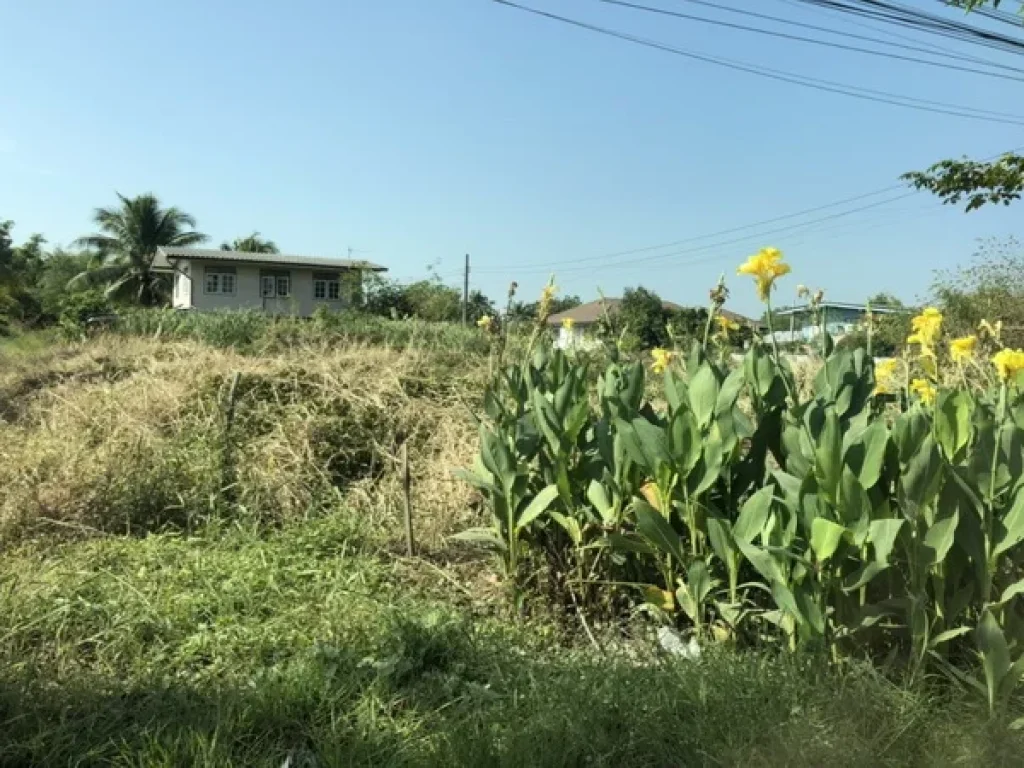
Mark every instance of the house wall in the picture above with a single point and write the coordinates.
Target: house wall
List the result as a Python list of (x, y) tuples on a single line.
[(190, 291)]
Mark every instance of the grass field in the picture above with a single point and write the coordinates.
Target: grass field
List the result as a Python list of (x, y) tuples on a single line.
[(145, 620)]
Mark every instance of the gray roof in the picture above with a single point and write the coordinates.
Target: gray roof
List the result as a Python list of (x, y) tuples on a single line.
[(164, 254)]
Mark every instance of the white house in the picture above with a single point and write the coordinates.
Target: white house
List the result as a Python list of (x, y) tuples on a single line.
[(277, 283)]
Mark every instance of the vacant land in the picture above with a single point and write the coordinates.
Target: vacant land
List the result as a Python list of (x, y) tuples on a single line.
[(200, 564)]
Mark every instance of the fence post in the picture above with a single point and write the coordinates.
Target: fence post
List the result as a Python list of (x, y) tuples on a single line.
[(410, 542)]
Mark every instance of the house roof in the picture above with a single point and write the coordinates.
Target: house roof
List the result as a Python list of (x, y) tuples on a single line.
[(164, 255), (585, 314)]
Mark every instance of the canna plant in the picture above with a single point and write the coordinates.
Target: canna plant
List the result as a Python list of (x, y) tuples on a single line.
[(879, 512)]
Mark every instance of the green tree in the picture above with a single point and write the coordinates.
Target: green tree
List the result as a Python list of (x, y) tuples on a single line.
[(519, 310), (643, 317), (977, 182), (128, 241), (59, 269), (253, 243), (20, 267)]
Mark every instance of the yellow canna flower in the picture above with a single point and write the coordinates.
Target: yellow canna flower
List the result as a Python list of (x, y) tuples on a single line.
[(962, 349), (927, 326), (989, 330), (662, 359), (764, 266), (885, 375), (568, 323), (1008, 363), (924, 390), (485, 322), (725, 324)]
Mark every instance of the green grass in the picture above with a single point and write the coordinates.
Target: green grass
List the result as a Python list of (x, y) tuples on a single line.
[(241, 647)]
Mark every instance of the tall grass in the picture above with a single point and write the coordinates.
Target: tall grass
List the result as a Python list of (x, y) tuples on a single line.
[(253, 331), (237, 648)]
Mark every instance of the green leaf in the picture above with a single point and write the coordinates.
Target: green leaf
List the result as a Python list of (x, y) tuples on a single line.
[(867, 456), (882, 535), (482, 536), (953, 412), (709, 467), (699, 581), (721, 538), (704, 394), (1009, 593), (828, 464), (474, 479), (863, 575), (653, 526), (646, 443), (675, 390), (1010, 532), (922, 474), (684, 440), (754, 515), (570, 525), (825, 538), (949, 634), (625, 542), (786, 602), (762, 561), (537, 506), (939, 538), (597, 495), (995, 654)]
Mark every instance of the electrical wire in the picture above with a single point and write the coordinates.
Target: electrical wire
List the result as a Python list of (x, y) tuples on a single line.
[(810, 40), (929, 49), (796, 79)]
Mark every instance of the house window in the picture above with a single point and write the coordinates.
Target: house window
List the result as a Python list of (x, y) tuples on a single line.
[(284, 286), (326, 288), (268, 287), (222, 283)]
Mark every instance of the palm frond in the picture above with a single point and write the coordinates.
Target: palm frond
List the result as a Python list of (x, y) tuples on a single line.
[(99, 276)]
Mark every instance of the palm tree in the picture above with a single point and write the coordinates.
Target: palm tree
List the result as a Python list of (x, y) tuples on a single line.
[(131, 234), (251, 244)]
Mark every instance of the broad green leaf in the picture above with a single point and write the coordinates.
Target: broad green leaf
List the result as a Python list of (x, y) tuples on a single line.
[(909, 433), (786, 602), (825, 538), (1010, 531), (704, 394), (709, 467), (949, 634), (730, 391), (646, 443), (653, 526), (828, 464), (688, 602), (867, 456), (684, 440), (995, 653), (939, 538), (482, 536), (474, 479), (753, 515), (547, 420), (809, 609), (675, 390), (923, 473), (882, 535), (570, 525), (721, 538), (537, 506), (699, 581), (623, 542), (854, 502), (597, 495), (762, 561), (953, 412), (1009, 593), (863, 575)]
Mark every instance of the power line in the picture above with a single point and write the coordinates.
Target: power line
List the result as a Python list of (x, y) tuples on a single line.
[(804, 39), (930, 50), (808, 82)]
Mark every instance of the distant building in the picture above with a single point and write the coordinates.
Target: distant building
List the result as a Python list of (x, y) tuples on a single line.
[(275, 283), (585, 318), (797, 324)]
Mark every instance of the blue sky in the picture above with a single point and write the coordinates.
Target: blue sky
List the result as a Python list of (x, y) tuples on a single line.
[(416, 132)]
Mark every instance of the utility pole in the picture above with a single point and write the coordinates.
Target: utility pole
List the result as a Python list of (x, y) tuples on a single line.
[(465, 294)]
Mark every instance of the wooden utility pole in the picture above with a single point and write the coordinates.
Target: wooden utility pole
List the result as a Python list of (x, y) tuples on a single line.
[(465, 294), (410, 542)]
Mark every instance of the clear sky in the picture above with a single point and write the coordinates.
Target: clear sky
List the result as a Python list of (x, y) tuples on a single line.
[(415, 131)]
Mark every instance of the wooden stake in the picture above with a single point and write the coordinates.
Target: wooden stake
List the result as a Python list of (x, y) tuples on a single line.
[(410, 542)]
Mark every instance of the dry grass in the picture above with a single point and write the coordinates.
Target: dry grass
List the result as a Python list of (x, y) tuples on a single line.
[(125, 435)]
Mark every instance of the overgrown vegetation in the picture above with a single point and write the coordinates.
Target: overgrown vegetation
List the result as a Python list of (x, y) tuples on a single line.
[(879, 515)]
